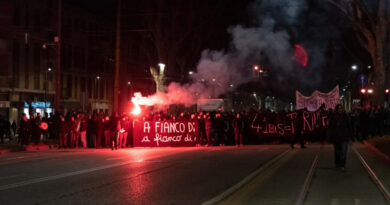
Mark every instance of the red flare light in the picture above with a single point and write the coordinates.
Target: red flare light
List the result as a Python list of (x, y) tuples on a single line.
[(44, 126), (136, 110)]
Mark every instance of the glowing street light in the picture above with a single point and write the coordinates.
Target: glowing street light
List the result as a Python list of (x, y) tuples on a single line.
[(370, 91), (128, 82), (256, 67), (49, 69), (387, 90), (98, 78), (363, 91), (191, 72), (162, 67), (354, 67)]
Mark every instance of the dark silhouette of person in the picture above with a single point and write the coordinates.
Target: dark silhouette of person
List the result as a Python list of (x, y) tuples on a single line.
[(340, 135), (299, 131)]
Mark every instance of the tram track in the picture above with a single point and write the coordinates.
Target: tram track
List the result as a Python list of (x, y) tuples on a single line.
[(373, 176), (259, 182)]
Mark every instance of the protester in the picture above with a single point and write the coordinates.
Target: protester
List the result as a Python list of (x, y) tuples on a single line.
[(299, 130), (13, 128), (125, 125), (115, 130), (107, 131), (36, 129), (238, 126), (63, 133), (99, 130), (341, 134), (83, 131), (24, 130)]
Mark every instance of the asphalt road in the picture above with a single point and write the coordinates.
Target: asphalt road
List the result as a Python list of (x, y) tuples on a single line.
[(226, 175)]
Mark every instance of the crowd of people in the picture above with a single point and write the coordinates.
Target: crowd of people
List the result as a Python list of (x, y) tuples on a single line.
[(97, 130), (76, 129)]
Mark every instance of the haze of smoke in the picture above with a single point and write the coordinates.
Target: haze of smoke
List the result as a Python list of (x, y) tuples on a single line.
[(222, 70)]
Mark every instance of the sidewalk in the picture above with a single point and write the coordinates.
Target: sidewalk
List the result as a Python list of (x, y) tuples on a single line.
[(14, 146)]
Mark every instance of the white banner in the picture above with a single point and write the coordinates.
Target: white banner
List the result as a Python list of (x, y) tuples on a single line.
[(313, 102)]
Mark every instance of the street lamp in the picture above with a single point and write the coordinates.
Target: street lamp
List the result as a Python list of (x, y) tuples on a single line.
[(257, 70), (129, 88), (191, 72), (370, 91), (354, 67), (162, 67)]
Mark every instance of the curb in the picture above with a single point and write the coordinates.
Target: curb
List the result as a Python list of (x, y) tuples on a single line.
[(27, 148), (377, 151), (5, 151)]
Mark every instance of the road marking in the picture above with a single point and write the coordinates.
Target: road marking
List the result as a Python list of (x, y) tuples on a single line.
[(8, 177), (247, 179), (68, 174), (14, 158), (59, 176), (116, 158)]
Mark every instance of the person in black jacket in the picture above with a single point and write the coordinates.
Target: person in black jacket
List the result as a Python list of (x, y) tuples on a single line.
[(115, 130), (91, 131), (340, 135), (238, 126), (24, 131), (63, 133)]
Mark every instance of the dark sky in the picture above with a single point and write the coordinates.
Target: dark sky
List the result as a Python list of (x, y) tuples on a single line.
[(99, 7), (312, 29)]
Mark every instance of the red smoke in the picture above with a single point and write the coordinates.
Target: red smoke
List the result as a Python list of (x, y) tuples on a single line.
[(300, 55)]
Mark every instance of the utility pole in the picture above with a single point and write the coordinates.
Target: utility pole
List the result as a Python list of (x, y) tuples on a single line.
[(58, 70), (117, 57)]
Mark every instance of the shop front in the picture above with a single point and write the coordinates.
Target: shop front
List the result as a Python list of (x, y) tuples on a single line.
[(37, 107)]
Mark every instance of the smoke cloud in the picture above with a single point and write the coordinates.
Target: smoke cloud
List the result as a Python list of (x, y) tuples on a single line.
[(219, 71)]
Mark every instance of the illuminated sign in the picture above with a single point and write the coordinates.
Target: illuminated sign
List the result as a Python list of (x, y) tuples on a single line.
[(39, 104)]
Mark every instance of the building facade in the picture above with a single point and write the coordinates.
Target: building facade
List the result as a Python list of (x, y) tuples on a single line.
[(28, 57)]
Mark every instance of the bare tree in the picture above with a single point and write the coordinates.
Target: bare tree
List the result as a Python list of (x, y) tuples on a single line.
[(178, 32), (371, 22)]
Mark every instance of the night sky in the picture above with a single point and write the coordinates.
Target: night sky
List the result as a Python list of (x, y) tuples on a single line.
[(316, 27)]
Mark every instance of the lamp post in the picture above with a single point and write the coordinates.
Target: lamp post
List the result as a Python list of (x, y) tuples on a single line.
[(96, 87), (46, 87), (129, 89)]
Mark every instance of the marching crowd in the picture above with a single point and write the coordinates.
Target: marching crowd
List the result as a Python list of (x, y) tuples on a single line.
[(97, 130)]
